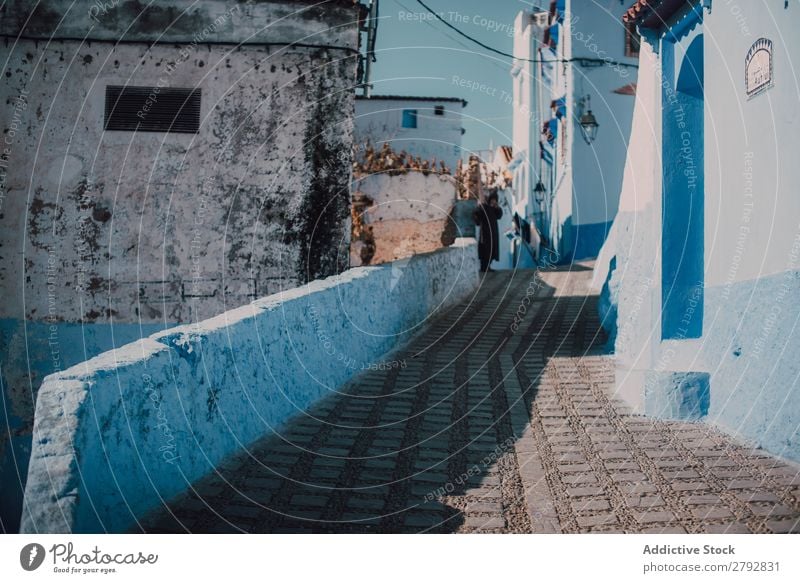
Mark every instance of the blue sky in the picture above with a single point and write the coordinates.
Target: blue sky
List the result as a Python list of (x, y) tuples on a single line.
[(418, 55)]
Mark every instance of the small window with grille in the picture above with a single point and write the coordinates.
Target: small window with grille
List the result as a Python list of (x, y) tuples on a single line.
[(438, 110), (152, 109)]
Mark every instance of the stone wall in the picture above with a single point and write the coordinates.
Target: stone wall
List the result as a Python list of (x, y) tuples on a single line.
[(409, 212), (107, 236), (117, 434)]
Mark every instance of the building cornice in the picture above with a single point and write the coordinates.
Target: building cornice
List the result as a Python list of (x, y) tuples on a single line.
[(659, 14), (329, 24)]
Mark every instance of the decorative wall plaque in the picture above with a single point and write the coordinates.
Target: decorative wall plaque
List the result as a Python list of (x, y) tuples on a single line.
[(758, 67)]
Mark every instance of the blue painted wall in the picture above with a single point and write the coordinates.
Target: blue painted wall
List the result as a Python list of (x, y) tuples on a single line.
[(31, 351), (682, 202), (589, 238)]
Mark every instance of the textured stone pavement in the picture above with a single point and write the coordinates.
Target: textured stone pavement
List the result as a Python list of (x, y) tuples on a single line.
[(502, 421)]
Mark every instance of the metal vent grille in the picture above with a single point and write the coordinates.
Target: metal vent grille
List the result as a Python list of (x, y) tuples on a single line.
[(152, 109)]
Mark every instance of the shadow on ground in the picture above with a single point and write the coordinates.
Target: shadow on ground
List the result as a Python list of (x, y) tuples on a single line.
[(405, 450), (502, 421)]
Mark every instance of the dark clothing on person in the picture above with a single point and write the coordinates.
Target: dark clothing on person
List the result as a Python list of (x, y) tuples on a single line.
[(486, 217)]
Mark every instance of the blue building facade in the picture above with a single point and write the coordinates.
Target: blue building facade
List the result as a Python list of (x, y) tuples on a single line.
[(699, 275)]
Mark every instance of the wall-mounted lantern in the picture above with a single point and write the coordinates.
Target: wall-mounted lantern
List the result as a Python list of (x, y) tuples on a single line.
[(588, 122)]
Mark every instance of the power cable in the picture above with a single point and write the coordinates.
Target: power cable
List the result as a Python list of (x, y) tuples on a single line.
[(510, 56), (455, 40)]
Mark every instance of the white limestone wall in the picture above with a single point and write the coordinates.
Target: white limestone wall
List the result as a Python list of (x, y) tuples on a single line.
[(116, 435)]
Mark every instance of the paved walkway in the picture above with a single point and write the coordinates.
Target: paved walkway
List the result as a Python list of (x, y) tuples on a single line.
[(501, 422)]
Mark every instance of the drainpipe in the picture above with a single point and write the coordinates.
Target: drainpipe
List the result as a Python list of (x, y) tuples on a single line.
[(372, 29)]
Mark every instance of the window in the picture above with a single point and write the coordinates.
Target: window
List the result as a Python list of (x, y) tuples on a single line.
[(152, 109), (410, 118), (632, 40), (438, 110)]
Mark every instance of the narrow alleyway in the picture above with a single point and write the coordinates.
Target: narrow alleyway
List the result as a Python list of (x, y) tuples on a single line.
[(494, 427)]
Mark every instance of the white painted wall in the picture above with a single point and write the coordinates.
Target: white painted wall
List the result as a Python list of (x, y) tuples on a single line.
[(379, 120), (597, 32), (526, 115), (523, 84), (585, 181), (761, 137), (635, 242), (752, 228), (750, 344)]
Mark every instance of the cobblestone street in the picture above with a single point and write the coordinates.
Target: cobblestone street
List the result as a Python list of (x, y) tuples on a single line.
[(494, 425)]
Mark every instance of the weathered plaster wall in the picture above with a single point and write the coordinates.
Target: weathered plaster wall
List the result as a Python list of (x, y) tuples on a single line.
[(163, 411), (109, 236), (410, 213), (180, 21), (144, 222)]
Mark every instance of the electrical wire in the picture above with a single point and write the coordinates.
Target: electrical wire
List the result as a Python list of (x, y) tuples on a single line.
[(509, 55), (455, 40)]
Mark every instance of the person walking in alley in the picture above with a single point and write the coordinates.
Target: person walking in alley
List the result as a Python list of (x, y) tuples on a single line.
[(486, 215)]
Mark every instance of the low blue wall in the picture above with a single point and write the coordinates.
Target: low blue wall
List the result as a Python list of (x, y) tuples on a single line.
[(751, 346), (30, 352), (118, 434)]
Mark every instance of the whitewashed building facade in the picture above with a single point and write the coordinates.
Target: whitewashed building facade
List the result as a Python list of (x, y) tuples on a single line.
[(425, 127), (701, 272), (570, 59)]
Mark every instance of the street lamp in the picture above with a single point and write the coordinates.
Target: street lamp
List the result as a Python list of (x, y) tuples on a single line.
[(588, 122)]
